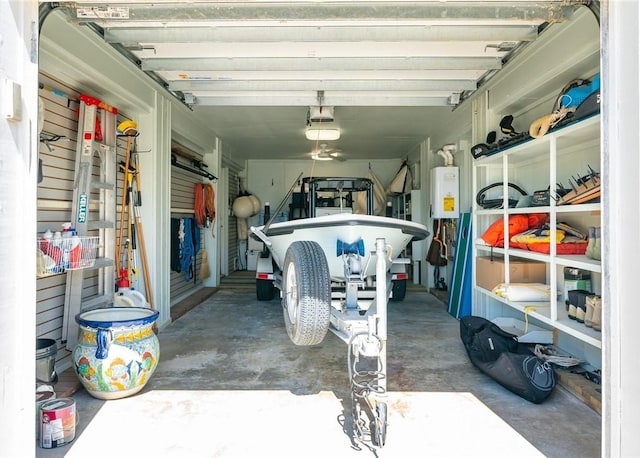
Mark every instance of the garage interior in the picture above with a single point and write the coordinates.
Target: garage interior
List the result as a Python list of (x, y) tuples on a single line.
[(223, 93)]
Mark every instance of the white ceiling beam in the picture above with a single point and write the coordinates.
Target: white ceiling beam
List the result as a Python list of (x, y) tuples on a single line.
[(346, 74), (341, 33), (376, 49), (292, 98), (166, 12), (324, 63), (324, 85)]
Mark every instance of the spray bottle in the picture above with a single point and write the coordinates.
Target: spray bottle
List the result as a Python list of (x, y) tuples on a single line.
[(75, 252)]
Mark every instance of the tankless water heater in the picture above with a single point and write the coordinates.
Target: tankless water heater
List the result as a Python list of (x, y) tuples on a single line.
[(445, 201)]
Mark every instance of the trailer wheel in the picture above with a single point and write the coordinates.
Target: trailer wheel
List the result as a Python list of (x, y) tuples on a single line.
[(306, 298), (265, 291), (398, 290)]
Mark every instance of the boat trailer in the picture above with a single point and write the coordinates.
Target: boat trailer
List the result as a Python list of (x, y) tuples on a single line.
[(356, 315), (337, 273)]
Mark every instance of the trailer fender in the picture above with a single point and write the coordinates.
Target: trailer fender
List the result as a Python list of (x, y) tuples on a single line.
[(398, 268), (264, 266)]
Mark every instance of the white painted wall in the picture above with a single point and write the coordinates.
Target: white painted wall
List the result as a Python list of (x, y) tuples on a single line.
[(222, 264), (460, 136), (77, 56), (621, 216), (213, 159), (18, 180), (155, 137)]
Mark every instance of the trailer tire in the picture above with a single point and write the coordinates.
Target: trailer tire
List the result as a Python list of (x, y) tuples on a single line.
[(398, 290), (265, 290), (306, 293)]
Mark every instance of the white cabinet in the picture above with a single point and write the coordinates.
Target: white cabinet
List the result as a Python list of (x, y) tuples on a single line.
[(535, 165)]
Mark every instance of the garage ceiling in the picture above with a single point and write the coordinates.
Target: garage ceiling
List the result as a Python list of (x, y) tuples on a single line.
[(393, 70)]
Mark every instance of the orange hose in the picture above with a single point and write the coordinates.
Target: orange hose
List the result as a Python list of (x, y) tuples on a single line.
[(210, 202), (204, 203), (198, 205)]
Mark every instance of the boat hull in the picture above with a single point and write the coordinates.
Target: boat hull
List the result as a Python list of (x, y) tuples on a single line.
[(332, 231)]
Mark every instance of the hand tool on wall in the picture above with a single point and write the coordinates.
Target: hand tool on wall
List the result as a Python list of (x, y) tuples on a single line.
[(123, 201), (143, 252), (128, 129), (134, 158), (132, 230), (137, 232), (123, 280), (131, 202), (130, 173)]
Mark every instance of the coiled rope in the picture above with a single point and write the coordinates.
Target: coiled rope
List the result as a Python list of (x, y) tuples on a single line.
[(210, 202), (204, 204), (198, 204), (551, 355)]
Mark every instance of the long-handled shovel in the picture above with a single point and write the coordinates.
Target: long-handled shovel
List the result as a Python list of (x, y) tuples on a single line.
[(143, 257), (128, 129), (133, 258), (145, 264), (140, 235)]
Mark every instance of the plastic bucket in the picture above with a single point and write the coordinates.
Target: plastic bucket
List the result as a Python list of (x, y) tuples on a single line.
[(46, 350), (126, 297)]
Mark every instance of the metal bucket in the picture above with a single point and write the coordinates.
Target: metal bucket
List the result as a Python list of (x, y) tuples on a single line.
[(46, 350)]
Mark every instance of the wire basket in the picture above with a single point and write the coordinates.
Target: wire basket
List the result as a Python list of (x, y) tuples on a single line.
[(70, 253)]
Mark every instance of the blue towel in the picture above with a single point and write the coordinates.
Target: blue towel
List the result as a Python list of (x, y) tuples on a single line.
[(187, 253), (196, 237)]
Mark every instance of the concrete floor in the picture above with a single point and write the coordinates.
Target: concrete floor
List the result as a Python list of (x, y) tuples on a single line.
[(231, 384)]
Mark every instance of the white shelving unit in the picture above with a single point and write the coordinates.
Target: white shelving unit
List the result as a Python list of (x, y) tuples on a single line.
[(409, 207), (401, 204), (535, 165)]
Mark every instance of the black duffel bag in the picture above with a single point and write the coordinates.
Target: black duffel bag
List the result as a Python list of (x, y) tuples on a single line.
[(498, 354)]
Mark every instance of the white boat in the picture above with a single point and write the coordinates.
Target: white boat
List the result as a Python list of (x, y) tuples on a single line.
[(346, 241), (344, 233)]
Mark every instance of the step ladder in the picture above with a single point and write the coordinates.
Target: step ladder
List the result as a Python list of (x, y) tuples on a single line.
[(93, 209)]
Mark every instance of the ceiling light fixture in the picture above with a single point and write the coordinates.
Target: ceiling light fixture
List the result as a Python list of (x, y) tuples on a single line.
[(322, 134), (318, 157)]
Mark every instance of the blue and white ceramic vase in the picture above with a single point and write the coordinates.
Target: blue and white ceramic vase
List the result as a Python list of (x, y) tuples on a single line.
[(117, 351)]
